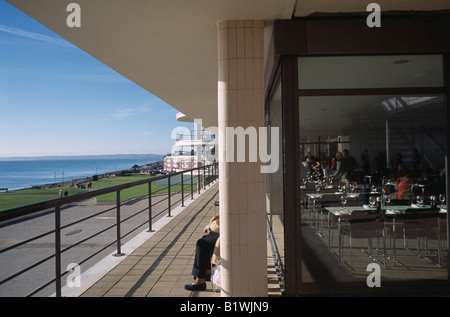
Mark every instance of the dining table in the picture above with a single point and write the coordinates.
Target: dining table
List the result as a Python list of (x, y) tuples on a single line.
[(367, 213)]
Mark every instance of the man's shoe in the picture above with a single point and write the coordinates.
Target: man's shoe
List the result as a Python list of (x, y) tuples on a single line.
[(195, 287)]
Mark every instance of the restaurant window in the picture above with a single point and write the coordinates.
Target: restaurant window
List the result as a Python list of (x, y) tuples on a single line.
[(373, 177)]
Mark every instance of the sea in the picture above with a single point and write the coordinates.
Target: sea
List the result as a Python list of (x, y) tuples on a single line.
[(25, 172)]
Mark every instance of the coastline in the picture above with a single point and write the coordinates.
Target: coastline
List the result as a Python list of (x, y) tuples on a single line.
[(78, 157), (29, 195), (77, 172), (74, 182)]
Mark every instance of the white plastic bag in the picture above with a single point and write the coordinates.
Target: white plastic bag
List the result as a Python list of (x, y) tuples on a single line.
[(215, 275)]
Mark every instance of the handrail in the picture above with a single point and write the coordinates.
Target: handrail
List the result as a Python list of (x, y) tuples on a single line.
[(203, 180), (195, 135), (27, 209)]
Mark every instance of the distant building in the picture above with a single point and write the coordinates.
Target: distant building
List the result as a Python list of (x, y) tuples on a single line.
[(191, 151)]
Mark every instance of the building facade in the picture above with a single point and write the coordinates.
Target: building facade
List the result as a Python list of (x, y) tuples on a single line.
[(333, 89)]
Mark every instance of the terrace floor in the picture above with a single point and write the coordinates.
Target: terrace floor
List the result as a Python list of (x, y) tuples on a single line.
[(160, 264)]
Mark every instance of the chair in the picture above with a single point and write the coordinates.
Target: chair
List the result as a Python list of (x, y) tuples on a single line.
[(433, 229), (442, 235), (422, 226), (362, 226)]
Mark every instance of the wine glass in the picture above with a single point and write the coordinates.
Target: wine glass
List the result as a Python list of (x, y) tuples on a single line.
[(387, 200), (352, 187), (318, 188), (330, 181), (343, 201), (341, 188), (419, 200), (442, 198), (372, 201)]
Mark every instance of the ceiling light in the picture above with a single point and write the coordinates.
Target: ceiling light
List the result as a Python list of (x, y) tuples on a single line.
[(401, 61)]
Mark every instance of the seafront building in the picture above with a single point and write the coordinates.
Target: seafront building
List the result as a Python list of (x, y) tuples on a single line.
[(191, 149), (316, 78)]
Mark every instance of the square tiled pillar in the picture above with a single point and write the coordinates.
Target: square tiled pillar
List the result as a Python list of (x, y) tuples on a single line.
[(241, 183)]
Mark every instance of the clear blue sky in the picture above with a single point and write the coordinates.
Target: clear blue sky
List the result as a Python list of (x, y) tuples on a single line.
[(57, 100)]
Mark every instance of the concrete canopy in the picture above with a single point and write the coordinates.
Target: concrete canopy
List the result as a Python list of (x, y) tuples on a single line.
[(169, 47)]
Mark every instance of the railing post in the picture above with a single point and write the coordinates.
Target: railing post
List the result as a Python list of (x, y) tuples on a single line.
[(168, 193), (192, 184), (182, 190), (204, 178), (150, 220), (209, 175), (199, 180), (119, 252), (58, 250)]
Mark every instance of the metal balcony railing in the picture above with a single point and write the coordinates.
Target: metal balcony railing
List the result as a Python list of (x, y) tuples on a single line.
[(204, 176), (192, 136)]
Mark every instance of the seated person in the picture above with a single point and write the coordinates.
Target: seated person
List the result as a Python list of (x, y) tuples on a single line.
[(339, 167), (203, 252), (403, 186), (313, 168), (403, 190)]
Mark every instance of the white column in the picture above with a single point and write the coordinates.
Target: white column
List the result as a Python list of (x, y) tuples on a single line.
[(241, 184)]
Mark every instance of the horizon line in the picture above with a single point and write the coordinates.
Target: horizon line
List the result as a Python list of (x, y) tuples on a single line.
[(77, 155)]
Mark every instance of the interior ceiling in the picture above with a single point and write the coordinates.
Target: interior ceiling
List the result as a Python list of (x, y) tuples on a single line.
[(340, 115), (333, 115), (169, 47), (370, 71)]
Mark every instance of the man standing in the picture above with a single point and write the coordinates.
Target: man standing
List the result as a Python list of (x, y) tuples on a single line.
[(349, 165)]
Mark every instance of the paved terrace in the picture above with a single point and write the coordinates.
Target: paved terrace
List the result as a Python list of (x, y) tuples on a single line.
[(160, 263)]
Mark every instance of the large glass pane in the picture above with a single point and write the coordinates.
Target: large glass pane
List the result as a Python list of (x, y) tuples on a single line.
[(370, 71), (275, 187), (384, 206)]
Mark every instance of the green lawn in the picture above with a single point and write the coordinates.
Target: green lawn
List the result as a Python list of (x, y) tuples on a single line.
[(133, 192), (28, 196)]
